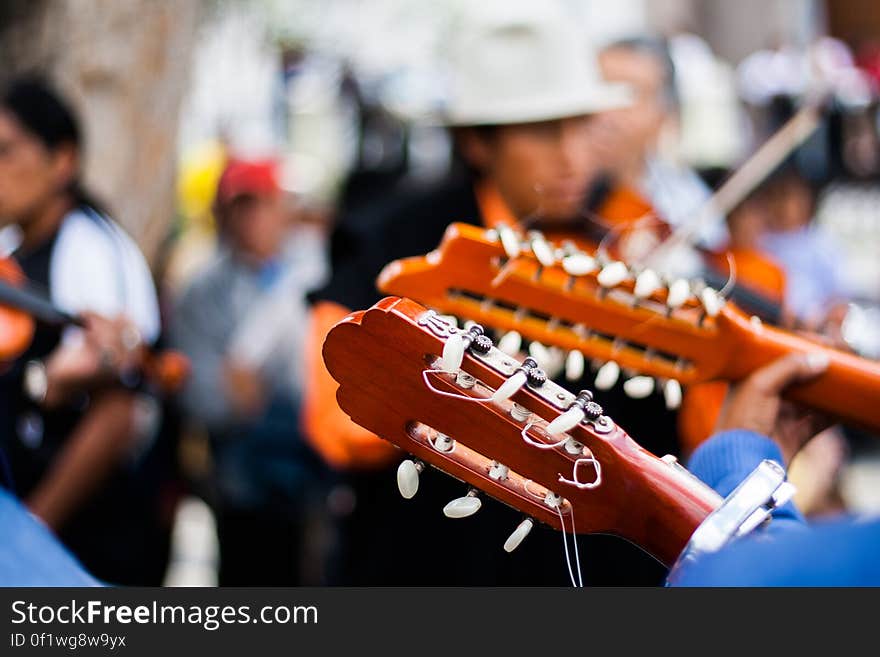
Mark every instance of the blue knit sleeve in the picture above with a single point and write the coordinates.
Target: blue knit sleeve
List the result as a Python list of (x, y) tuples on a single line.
[(727, 458), (723, 462)]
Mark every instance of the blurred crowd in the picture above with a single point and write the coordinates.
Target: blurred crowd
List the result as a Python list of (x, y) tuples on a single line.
[(541, 130)]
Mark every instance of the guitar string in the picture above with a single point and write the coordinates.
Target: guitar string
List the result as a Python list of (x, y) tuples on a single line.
[(577, 483), (731, 277), (534, 443), (574, 582), (565, 547), (453, 395), (574, 481), (564, 537), (577, 558)]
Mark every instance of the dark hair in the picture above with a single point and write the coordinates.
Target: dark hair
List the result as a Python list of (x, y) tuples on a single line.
[(658, 49), (43, 113), (460, 164)]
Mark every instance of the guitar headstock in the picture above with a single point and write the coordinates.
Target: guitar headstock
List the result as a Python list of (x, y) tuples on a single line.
[(558, 295), (624, 319), (453, 400)]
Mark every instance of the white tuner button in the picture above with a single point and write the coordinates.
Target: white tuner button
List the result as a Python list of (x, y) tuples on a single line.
[(679, 292), (612, 274), (522, 530), (408, 478), (578, 264), (607, 375), (638, 387), (462, 507)]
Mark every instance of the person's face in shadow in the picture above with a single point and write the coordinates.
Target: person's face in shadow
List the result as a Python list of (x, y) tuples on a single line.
[(791, 205), (632, 132), (747, 223), (31, 175), (255, 225), (543, 170)]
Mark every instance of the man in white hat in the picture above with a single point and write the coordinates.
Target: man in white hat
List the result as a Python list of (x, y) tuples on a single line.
[(523, 91)]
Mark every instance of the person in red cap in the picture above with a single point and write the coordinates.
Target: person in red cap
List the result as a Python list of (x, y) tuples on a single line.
[(249, 208), (240, 321)]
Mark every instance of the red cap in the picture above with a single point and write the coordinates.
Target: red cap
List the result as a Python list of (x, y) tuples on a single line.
[(251, 177)]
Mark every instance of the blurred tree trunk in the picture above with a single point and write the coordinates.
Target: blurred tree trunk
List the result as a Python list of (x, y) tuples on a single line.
[(125, 64)]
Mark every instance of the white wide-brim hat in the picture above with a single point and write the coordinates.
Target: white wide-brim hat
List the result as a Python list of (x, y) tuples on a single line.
[(522, 61)]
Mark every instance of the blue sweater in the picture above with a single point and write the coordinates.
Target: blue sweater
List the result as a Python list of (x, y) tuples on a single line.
[(30, 555), (788, 552)]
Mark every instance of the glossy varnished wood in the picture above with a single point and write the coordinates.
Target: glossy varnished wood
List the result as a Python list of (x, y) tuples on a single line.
[(575, 313), (378, 357)]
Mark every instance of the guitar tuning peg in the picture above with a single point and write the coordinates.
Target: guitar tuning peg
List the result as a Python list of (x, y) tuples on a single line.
[(574, 365), (566, 421), (612, 274), (522, 530), (510, 343), (712, 301), (509, 240), (528, 371), (457, 343), (549, 359), (582, 407), (557, 357), (679, 292), (647, 283), (541, 354), (408, 477), (638, 387), (462, 507), (578, 264), (453, 352), (672, 394), (607, 376), (507, 389), (541, 248)]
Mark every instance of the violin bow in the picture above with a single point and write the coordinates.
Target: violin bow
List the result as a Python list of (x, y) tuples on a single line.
[(34, 304), (168, 369), (744, 180)]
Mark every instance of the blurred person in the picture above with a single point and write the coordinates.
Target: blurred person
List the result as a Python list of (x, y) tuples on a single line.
[(241, 320), (524, 96), (809, 256), (78, 451), (763, 277), (815, 298), (646, 181), (755, 270), (639, 143)]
